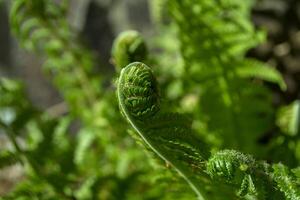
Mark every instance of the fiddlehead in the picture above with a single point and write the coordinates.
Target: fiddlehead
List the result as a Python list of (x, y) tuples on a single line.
[(168, 135), (140, 91), (128, 47)]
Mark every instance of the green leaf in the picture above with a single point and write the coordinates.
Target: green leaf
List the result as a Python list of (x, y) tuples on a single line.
[(288, 118), (255, 69)]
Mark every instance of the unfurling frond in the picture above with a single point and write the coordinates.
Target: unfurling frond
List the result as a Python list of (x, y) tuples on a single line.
[(172, 139), (128, 47)]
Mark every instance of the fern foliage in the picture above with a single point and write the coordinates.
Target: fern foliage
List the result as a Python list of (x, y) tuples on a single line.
[(287, 182), (211, 98), (214, 38), (139, 102), (39, 26), (252, 178), (128, 47), (171, 138)]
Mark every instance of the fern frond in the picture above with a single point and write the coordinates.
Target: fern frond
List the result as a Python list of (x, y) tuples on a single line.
[(139, 102), (85, 140), (128, 47), (214, 38), (250, 68), (286, 182), (250, 177), (41, 26), (288, 118), (171, 138), (226, 164)]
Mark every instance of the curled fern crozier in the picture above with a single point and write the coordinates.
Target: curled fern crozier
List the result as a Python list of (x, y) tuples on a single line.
[(169, 135), (139, 91), (128, 47)]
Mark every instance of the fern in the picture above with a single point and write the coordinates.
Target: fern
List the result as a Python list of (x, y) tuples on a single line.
[(70, 64), (171, 138), (35, 25), (256, 69), (214, 38), (252, 178), (201, 66), (286, 182), (128, 47), (139, 102)]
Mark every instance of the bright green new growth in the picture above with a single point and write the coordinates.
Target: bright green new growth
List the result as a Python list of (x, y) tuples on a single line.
[(243, 172), (286, 182), (168, 135), (214, 39), (229, 165), (171, 138), (128, 47)]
